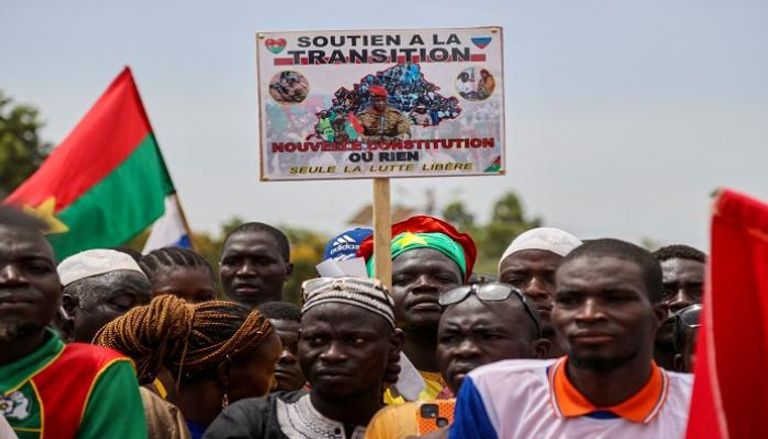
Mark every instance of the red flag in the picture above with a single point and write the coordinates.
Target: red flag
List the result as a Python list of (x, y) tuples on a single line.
[(730, 391)]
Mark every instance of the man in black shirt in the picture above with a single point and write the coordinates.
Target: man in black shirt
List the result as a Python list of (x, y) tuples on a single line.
[(347, 337)]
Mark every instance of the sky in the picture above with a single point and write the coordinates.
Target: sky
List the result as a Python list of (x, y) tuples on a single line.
[(622, 116)]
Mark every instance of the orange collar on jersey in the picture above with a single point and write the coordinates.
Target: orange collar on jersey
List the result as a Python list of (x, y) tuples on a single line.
[(641, 407)]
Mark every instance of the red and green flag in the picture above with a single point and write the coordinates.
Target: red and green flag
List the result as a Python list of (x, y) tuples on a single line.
[(106, 181)]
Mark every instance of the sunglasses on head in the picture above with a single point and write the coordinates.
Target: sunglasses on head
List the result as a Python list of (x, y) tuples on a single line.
[(489, 292), (312, 286)]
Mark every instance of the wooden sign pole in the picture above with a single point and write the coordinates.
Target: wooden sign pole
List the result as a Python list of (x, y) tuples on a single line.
[(382, 231)]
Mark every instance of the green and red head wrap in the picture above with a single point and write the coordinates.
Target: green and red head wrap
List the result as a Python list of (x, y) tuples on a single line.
[(422, 231)]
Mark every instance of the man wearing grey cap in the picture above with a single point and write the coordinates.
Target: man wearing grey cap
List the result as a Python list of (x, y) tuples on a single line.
[(529, 263), (347, 337), (99, 286)]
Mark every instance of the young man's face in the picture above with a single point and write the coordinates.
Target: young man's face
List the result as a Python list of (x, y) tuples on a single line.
[(288, 370), (683, 286), (252, 268), (603, 312), (533, 272)]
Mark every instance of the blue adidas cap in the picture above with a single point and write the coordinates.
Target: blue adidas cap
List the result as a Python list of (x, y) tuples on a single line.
[(345, 245)]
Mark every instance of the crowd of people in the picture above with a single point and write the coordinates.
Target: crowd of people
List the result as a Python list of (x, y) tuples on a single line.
[(570, 338)]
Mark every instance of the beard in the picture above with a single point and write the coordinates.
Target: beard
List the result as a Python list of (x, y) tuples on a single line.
[(600, 364), (13, 329)]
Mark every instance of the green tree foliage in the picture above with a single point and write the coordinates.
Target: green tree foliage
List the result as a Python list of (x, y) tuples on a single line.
[(508, 220), (229, 226), (21, 150), (306, 252), (456, 214)]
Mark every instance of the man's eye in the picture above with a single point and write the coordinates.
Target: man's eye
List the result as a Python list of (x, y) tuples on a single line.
[(668, 293), (317, 341), (515, 280), (123, 302), (39, 267), (697, 292), (356, 341), (121, 306), (401, 280), (446, 339), (446, 279), (263, 261), (566, 300)]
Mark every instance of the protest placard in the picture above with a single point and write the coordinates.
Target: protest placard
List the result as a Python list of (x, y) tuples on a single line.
[(381, 103)]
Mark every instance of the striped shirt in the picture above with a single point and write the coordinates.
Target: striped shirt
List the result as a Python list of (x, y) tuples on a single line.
[(535, 399)]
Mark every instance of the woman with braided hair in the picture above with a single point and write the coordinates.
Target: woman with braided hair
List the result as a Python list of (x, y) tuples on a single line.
[(181, 272), (217, 352)]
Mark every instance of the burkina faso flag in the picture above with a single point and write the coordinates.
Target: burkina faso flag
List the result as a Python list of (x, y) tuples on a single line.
[(106, 181)]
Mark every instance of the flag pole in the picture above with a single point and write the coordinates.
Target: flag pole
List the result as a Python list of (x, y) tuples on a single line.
[(168, 171), (184, 220)]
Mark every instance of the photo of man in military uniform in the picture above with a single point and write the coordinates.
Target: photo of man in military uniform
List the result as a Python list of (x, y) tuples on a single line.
[(382, 122)]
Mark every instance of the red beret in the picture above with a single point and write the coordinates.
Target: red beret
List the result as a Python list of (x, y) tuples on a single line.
[(427, 224), (378, 91)]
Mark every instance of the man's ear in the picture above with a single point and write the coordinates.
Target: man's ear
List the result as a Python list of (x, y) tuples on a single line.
[(541, 348), (661, 311), (678, 363), (397, 340), (288, 269), (70, 303), (68, 330)]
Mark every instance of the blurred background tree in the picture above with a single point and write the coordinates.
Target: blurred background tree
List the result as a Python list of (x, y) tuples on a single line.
[(21, 150), (306, 252), (508, 219), (456, 214)]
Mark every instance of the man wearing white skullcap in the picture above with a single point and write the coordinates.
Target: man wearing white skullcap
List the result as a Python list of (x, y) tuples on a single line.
[(100, 285), (529, 263)]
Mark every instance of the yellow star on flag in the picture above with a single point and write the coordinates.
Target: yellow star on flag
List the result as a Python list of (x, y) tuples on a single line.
[(45, 211), (411, 238)]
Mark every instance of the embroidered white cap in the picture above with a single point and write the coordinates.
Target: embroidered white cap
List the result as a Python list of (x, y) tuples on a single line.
[(550, 239), (93, 263)]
